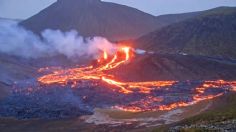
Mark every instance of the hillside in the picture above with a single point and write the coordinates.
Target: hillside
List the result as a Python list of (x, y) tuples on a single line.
[(168, 19), (212, 33), (97, 18), (220, 116), (13, 69), (93, 18), (176, 67)]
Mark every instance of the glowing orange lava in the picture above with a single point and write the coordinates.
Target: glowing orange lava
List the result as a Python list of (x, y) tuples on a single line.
[(124, 55), (198, 97), (105, 56), (97, 73)]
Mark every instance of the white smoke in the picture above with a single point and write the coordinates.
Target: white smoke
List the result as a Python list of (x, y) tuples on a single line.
[(140, 51), (16, 40)]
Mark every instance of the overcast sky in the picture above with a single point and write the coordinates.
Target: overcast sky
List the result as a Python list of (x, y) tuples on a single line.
[(25, 8)]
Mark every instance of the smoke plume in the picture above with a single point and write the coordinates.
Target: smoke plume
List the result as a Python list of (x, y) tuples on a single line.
[(15, 40)]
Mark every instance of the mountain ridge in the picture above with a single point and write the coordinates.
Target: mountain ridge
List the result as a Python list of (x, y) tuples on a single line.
[(105, 19), (212, 33), (97, 18)]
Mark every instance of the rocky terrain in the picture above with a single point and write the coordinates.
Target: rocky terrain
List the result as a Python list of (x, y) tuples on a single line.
[(188, 48), (228, 126), (176, 67), (220, 117), (12, 69)]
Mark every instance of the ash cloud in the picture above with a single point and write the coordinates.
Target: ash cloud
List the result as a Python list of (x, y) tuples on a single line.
[(16, 40)]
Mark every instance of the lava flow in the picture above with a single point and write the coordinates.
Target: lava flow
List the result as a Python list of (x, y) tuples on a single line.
[(123, 55)]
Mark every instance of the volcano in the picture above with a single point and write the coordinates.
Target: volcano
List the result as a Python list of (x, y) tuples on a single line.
[(79, 84), (96, 18), (161, 84), (118, 81), (93, 18)]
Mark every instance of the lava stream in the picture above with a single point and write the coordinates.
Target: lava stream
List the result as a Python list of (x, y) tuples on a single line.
[(124, 55), (97, 73)]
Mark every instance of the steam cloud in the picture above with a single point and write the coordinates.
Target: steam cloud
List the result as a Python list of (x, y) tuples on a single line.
[(15, 40)]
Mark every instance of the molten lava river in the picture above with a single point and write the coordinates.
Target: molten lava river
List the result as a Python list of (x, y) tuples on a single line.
[(134, 96), (72, 92)]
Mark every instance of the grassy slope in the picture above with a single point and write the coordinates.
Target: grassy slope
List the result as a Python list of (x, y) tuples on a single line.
[(223, 109), (212, 34)]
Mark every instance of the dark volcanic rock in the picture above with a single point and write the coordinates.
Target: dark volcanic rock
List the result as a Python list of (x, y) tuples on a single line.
[(29, 99), (176, 67), (46, 104)]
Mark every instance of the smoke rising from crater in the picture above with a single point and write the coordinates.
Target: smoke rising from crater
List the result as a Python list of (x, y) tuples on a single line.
[(15, 40)]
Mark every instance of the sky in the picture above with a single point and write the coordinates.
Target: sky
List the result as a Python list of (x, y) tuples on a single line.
[(22, 9)]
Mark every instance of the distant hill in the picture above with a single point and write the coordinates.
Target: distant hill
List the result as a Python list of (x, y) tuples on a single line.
[(9, 19), (165, 20), (97, 18), (211, 33)]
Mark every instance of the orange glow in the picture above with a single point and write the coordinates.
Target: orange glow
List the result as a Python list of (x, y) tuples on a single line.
[(127, 52), (105, 56), (118, 84), (123, 55), (198, 97), (234, 88)]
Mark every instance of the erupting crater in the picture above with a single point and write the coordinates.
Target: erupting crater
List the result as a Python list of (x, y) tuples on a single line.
[(149, 96)]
